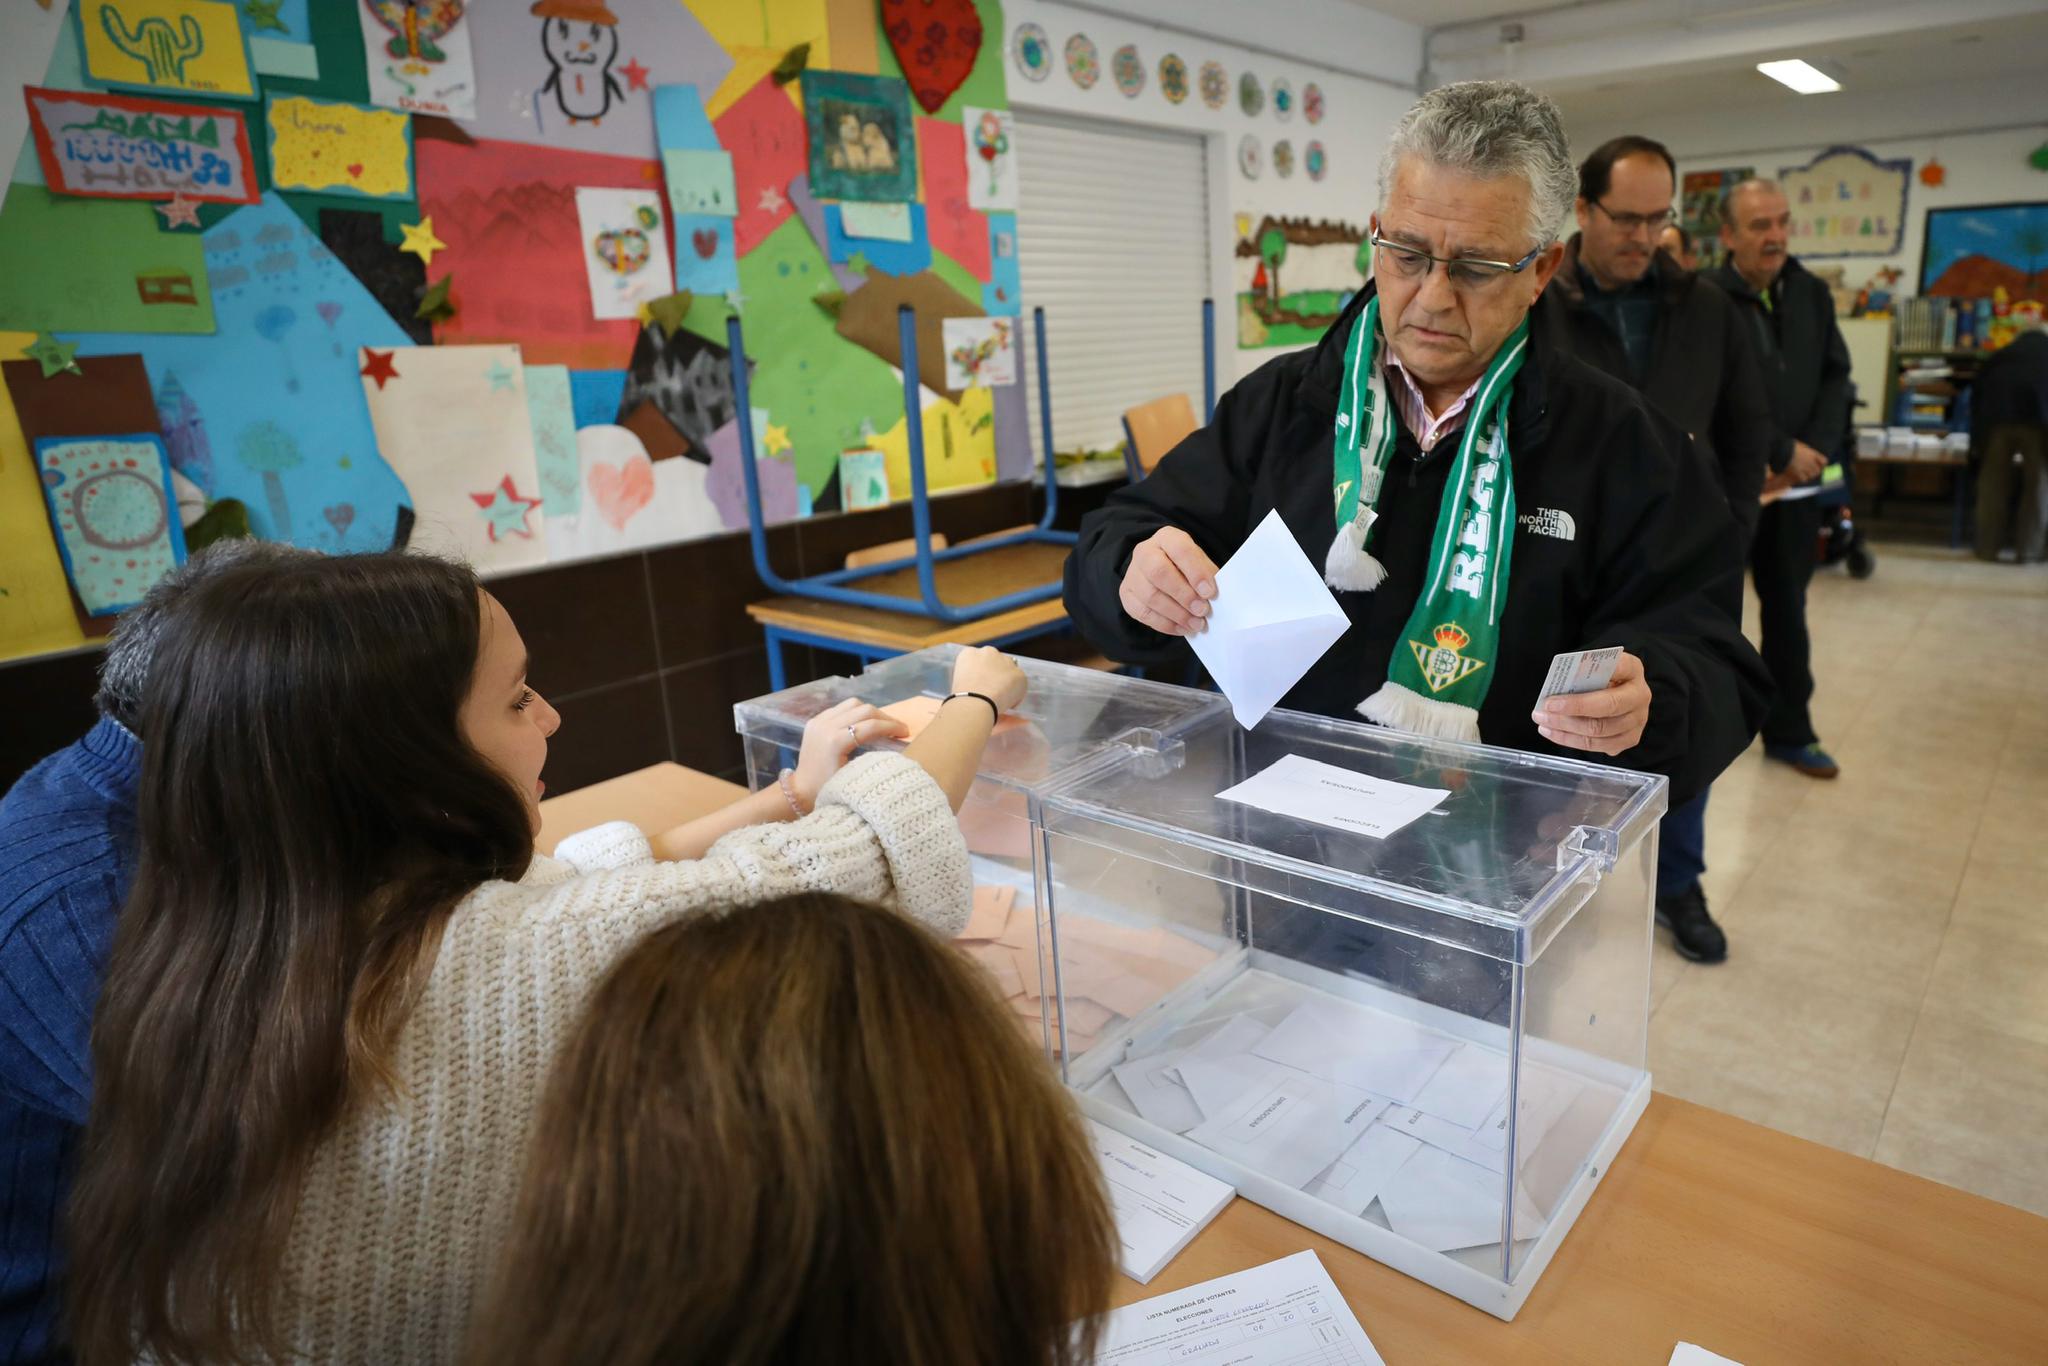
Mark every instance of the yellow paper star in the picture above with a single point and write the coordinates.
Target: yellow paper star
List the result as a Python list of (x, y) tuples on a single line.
[(775, 438), (420, 239)]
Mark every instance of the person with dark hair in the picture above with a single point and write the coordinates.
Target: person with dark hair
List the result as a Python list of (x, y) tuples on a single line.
[(1677, 243), (342, 970), (1623, 306), (1791, 313), (802, 1133), (67, 853)]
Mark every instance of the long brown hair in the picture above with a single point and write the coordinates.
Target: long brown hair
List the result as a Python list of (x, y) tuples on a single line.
[(309, 814), (802, 1132)]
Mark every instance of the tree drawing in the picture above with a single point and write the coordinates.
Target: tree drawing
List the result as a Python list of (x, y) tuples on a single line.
[(269, 449), (1272, 251), (2033, 242), (163, 55)]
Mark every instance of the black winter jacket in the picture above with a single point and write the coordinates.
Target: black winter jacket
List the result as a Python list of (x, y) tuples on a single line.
[(1624, 540), (1805, 360), (2011, 389), (1704, 373)]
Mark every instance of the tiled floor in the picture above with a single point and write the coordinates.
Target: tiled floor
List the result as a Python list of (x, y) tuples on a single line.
[(1886, 990)]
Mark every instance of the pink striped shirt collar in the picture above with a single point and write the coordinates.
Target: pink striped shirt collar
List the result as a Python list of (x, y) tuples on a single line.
[(1414, 408)]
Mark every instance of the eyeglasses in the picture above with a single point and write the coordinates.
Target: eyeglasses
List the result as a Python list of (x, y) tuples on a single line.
[(1629, 222), (1463, 272)]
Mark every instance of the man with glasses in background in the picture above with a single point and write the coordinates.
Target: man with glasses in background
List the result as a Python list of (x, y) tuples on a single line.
[(1619, 303), (1432, 425)]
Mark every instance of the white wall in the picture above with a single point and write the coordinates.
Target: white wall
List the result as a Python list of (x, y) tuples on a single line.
[(1361, 112)]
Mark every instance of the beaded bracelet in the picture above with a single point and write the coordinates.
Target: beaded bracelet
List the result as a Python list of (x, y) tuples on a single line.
[(796, 808)]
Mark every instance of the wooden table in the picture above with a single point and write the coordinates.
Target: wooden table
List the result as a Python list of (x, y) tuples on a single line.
[(655, 798), (1709, 1229)]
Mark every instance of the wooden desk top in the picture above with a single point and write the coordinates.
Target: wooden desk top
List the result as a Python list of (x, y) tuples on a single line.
[(1709, 1229), (655, 798), (961, 583)]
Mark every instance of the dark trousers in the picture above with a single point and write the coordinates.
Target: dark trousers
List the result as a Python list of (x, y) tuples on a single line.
[(1781, 560), (2014, 470), (1682, 847)]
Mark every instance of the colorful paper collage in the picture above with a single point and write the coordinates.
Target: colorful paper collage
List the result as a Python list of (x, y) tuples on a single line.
[(863, 144), (959, 443), (33, 591), (190, 47), (111, 501), (630, 500), (418, 56), (687, 378), (334, 148), (700, 181), (34, 33), (877, 222), (727, 482), (452, 422), (906, 257), (764, 134), (625, 249), (98, 265), (958, 228), (991, 157), (980, 351), (1002, 295), (551, 411), (125, 147), (269, 410)]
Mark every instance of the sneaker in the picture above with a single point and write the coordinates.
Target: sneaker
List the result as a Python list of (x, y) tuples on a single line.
[(1693, 931), (1811, 760)]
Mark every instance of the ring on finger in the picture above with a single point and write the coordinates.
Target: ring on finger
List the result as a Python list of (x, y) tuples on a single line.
[(853, 735)]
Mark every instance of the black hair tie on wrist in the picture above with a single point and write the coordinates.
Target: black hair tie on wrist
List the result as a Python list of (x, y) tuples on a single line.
[(995, 712)]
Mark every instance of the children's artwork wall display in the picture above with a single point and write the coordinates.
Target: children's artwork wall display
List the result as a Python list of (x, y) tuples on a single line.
[(863, 480), (125, 147), (862, 142), (193, 47), (1215, 85), (418, 55), (700, 180), (764, 134), (877, 222), (39, 616), (630, 500), (1699, 209), (1251, 158), (1987, 251), (580, 39), (1315, 160), (686, 377), (452, 421), (1173, 78), (991, 157), (936, 43), (1312, 102), (334, 148), (980, 352), (727, 485), (396, 278), (111, 502), (551, 412), (1031, 52), (1846, 202), (1251, 97), (1001, 296), (625, 250), (1294, 277), (1283, 159), (1127, 69), (98, 265), (958, 229), (32, 36), (1283, 99), (1084, 64)]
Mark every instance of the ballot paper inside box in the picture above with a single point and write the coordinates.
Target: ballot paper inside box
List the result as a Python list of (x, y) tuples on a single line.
[(1394, 989)]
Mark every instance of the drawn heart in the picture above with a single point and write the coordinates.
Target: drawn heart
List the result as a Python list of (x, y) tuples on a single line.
[(621, 491), (355, 170), (705, 240), (340, 516), (936, 42), (623, 249)]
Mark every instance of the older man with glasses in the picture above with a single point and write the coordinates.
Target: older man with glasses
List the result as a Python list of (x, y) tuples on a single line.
[(1434, 423)]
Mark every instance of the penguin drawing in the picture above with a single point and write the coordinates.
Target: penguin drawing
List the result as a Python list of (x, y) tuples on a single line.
[(581, 40)]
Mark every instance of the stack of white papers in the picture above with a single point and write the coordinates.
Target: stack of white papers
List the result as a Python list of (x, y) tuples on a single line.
[(1161, 1203), (1271, 620), (1285, 1313)]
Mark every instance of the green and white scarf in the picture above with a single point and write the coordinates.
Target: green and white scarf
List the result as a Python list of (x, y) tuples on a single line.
[(1437, 681)]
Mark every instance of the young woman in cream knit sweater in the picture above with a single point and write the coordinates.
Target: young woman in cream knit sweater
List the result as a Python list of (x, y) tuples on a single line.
[(343, 971)]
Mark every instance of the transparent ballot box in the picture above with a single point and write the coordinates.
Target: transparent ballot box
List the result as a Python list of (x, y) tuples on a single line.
[(1396, 990), (1069, 719)]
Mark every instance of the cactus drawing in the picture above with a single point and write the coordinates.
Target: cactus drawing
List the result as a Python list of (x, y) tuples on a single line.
[(163, 56)]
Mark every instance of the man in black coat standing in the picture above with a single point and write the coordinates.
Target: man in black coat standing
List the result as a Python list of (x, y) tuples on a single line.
[(2008, 432), (1806, 370), (1622, 305)]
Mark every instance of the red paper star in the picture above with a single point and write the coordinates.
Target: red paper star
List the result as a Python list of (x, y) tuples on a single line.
[(506, 509), (378, 367), (179, 212), (636, 75)]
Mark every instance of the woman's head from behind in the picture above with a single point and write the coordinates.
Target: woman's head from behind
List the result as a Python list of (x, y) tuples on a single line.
[(335, 750), (806, 1131)]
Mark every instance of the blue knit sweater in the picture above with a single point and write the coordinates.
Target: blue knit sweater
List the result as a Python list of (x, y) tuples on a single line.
[(67, 848)]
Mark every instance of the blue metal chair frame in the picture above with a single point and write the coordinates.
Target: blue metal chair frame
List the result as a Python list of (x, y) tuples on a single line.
[(832, 587)]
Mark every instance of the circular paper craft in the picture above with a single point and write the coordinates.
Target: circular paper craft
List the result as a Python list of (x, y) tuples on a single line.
[(1173, 78), (1283, 100), (1249, 159), (1312, 102), (1031, 50), (1082, 63), (1283, 158), (1128, 70), (1215, 84), (1315, 161), (119, 509), (1250, 97)]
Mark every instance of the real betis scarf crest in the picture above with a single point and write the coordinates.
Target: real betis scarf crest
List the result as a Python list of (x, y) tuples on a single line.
[(1436, 685)]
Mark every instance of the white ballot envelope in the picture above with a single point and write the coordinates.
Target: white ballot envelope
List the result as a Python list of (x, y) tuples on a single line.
[(1273, 617)]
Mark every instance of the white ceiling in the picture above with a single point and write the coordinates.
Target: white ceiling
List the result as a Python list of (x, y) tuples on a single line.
[(1437, 13)]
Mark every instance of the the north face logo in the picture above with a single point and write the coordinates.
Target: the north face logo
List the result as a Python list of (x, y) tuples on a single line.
[(1550, 522)]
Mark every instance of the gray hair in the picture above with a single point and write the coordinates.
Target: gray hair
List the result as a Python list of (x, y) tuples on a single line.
[(1753, 183), (124, 672), (1490, 130)]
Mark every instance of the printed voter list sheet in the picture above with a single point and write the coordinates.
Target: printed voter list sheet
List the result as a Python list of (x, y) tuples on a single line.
[(1272, 618), (1312, 791), (1285, 1313)]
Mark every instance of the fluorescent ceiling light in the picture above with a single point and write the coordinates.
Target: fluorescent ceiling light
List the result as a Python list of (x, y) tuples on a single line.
[(1803, 77)]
